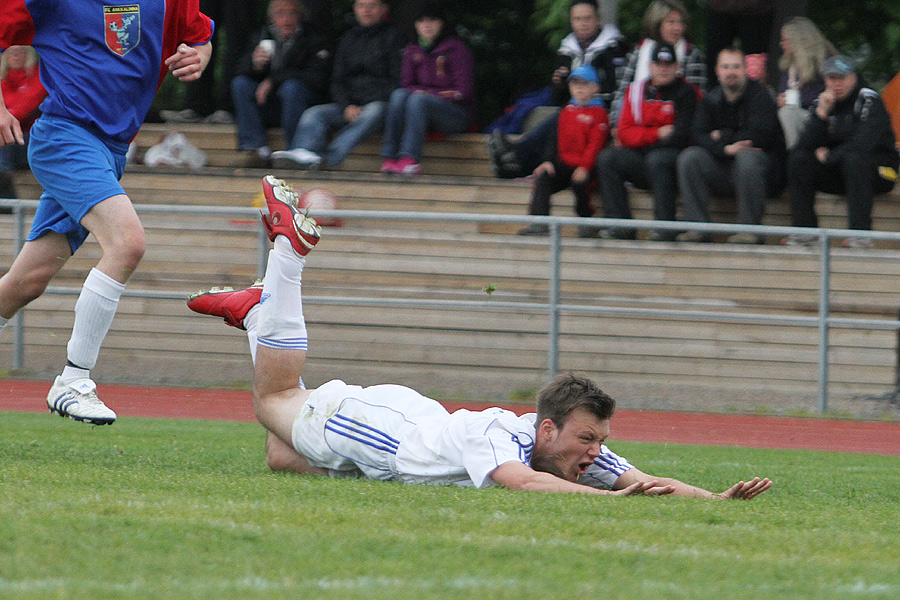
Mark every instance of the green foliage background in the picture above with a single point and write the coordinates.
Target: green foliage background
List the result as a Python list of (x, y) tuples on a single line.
[(514, 41)]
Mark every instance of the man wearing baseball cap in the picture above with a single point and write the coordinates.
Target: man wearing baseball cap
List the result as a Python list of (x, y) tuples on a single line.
[(846, 147), (654, 127)]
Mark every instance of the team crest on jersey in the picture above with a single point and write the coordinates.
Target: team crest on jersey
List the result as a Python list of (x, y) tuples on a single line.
[(123, 27)]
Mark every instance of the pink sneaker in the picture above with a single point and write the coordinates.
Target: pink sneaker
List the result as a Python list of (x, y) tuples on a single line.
[(407, 166), (227, 303), (285, 218), (389, 166)]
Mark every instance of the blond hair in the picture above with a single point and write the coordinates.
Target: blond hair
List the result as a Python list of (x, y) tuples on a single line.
[(656, 13), (809, 49), (29, 62)]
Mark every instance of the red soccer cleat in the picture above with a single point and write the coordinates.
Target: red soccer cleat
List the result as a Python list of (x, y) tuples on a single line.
[(285, 218), (227, 303)]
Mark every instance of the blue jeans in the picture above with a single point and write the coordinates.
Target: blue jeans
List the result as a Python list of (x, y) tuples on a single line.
[(532, 146), (318, 121), (283, 107), (410, 115)]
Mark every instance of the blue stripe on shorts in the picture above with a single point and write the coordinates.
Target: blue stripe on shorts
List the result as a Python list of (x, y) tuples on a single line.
[(77, 171)]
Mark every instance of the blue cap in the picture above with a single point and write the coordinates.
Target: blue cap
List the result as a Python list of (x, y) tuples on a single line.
[(838, 66), (585, 72)]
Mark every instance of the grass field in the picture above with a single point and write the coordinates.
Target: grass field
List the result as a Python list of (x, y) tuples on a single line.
[(186, 509)]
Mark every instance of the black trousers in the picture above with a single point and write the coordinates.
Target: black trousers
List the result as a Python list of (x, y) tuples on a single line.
[(545, 185), (653, 170), (856, 176)]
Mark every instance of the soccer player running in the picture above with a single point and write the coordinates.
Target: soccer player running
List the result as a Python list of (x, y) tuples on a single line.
[(101, 63), (391, 432)]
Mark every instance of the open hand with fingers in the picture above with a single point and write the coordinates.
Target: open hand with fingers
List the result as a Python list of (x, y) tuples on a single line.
[(745, 490)]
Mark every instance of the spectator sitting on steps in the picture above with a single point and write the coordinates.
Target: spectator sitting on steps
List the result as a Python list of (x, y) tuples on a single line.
[(22, 93), (284, 70), (583, 128), (847, 147), (366, 71), (437, 93)]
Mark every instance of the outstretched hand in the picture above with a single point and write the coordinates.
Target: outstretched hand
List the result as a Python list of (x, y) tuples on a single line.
[(745, 490), (647, 488)]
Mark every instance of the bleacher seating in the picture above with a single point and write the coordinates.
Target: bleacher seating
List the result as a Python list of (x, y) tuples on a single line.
[(490, 351)]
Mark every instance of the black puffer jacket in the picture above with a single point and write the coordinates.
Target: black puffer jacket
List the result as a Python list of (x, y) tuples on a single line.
[(367, 64), (858, 123), (304, 56)]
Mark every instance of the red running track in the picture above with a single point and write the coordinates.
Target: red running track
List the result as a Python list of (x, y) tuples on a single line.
[(870, 437)]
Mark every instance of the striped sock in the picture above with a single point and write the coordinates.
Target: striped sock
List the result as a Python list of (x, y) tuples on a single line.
[(251, 322), (281, 322)]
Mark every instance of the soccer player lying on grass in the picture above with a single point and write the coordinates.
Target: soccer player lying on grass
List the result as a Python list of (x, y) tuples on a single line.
[(392, 432)]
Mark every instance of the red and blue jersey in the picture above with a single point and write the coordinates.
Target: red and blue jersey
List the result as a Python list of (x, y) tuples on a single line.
[(102, 60)]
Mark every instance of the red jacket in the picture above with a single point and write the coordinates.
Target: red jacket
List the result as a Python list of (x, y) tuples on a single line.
[(583, 131), (23, 93), (646, 108)]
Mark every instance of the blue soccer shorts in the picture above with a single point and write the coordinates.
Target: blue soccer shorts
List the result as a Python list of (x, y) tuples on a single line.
[(77, 171)]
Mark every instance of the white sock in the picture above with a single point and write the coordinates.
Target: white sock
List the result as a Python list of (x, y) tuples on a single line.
[(251, 322), (280, 321), (94, 312)]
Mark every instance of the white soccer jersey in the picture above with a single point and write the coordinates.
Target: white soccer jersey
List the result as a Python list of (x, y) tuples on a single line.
[(393, 432)]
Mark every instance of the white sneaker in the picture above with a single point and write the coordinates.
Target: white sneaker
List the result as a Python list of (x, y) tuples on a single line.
[(180, 116), (800, 240), (220, 117), (78, 400), (858, 242), (298, 158)]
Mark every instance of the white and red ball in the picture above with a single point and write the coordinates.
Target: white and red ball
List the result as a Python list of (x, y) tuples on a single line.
[(320, 199)]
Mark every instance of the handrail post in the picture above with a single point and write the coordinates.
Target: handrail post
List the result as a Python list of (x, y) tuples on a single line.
[(824, 314), (553, 302)]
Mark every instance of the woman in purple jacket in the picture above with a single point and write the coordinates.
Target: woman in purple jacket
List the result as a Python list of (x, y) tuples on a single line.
[(437, 92)]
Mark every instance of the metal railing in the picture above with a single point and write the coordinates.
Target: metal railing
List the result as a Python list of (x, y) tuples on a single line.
[(553, 308)]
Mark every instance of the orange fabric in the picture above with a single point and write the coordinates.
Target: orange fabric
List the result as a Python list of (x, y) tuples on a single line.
[(891, 97)]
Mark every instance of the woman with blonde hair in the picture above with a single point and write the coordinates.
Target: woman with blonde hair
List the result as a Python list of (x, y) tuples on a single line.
[(805, 49)]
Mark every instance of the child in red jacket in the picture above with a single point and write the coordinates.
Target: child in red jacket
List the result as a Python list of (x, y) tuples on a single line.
[(583, 128), (22, 92)]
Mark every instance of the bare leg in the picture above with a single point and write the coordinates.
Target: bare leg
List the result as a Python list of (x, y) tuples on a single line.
[(277, 397), (283, 457), (281, 344), (32, 271), (120, 234)]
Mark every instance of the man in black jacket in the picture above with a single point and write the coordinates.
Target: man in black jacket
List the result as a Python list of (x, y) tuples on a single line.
[(847, 147), (739, 150), (366, 71), (284, 71)]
